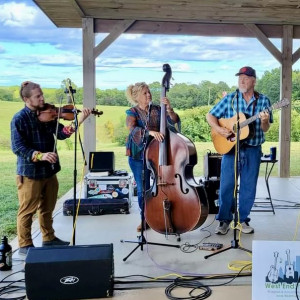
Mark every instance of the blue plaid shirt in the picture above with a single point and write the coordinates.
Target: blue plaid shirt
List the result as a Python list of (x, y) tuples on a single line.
[(28, 134), (227, 108)]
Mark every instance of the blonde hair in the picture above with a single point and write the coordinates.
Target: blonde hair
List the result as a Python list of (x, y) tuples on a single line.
[(26, 88), (133, 91)]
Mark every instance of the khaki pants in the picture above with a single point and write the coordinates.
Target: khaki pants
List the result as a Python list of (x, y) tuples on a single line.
[(36, 195)]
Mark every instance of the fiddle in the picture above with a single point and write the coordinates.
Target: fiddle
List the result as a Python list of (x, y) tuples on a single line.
[(50, 112)]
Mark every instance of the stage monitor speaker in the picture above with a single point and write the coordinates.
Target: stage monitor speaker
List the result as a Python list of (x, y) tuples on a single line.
[(69, 272), (212, 165), (102, 161)]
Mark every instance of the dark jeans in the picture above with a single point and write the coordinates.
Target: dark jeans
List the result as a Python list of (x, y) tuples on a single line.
[(137, 168)]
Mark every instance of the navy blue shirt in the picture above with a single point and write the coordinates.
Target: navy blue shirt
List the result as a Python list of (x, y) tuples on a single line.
[(28, 134)]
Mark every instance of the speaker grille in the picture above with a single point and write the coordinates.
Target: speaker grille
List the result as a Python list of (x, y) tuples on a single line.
[(76, 272)]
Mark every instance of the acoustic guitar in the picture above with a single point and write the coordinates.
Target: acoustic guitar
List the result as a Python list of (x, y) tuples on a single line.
[(289, 268), (273, 273), (222, 144)]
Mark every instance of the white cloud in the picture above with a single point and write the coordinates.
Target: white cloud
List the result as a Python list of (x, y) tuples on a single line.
[(131, 36), (17, 14), (60, 59)]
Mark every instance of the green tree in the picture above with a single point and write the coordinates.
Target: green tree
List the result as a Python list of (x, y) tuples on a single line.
[(269, 85), (194, 124)]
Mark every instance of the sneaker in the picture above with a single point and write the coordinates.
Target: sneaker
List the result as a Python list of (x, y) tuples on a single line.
[(55, 242), (24, 250), (245, 228), (223, 228)]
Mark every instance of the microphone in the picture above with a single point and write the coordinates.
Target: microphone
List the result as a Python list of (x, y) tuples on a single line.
[(237, 93)]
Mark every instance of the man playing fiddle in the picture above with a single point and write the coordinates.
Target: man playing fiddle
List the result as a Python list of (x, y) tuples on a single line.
[(33, 142)]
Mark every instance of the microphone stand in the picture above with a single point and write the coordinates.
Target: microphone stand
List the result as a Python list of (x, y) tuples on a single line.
[(71, 92), (141, 239), (235, 241)]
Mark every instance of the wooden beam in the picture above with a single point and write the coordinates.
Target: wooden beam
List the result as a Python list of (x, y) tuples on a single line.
[(265, 41), (89, 83), (296, 56), (116, 31), (286, 92), (78, 8)]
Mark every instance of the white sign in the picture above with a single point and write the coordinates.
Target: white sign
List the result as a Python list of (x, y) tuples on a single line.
[(275, 270)]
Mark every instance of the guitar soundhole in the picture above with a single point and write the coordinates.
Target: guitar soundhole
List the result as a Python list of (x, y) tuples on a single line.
[(231, 138)]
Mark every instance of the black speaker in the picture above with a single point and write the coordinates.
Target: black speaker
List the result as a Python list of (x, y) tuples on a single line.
[(212, 165), (102, 162), (212, 191), (69, 272)]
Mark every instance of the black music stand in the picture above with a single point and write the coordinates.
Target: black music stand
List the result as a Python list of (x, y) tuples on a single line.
[(235, 241), (141, 239)]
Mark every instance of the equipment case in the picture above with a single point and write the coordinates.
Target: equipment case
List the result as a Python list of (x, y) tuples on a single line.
[(95, 207), (108, 187)]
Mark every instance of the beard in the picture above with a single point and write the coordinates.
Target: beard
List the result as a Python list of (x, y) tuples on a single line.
[(243, 89)]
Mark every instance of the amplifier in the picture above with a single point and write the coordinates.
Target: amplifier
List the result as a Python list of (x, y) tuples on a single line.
[(69, 272), (212, 191), (212, 165)]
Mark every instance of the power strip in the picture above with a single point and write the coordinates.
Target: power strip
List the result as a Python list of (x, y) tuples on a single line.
[(210, 246)]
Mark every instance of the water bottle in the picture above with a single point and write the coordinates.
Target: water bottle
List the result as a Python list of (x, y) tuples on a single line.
[(5, 255)]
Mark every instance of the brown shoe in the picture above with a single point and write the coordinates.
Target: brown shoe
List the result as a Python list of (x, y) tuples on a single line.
[(139, 228)]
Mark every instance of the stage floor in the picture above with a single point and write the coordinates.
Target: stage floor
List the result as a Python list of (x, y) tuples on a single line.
[(158, 261)]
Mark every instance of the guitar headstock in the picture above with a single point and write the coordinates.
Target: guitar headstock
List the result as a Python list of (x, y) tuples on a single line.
[(282, 103)]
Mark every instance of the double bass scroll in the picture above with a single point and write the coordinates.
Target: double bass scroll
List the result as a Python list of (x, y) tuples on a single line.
[(172, 204)]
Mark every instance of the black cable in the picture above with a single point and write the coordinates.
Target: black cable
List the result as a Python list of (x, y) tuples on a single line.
[(189, 248), (297, 288), (11, 288), (193, 285)]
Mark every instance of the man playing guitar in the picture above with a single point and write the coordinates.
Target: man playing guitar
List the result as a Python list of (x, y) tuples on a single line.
[(249, 103)]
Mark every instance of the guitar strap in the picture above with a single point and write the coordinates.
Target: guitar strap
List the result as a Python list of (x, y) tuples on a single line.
[(256, 95)]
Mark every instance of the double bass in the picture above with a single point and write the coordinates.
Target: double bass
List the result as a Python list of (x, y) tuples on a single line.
[(173, 204)]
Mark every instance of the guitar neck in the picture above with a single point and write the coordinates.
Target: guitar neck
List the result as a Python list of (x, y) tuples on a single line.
[(277, 105), (253, 118)]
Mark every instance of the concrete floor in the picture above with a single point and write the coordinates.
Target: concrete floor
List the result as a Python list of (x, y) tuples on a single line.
[(169, 262)]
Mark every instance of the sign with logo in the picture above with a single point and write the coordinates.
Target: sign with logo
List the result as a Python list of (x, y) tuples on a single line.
[(69, 280), (275, 270)]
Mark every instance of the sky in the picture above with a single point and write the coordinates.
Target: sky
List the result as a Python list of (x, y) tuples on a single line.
[(33, 48)]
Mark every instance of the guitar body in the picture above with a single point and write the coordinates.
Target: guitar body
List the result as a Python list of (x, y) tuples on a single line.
[(289, 271), (273, 274), (224, 145)]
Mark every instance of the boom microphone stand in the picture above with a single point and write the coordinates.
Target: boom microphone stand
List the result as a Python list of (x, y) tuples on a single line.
[(235, 241), (141, 239)]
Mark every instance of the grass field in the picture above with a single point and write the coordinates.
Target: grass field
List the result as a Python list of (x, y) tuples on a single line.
[(8, 195)]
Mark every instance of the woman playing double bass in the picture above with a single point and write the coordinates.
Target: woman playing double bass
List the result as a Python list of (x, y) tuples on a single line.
[(143, 122)]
